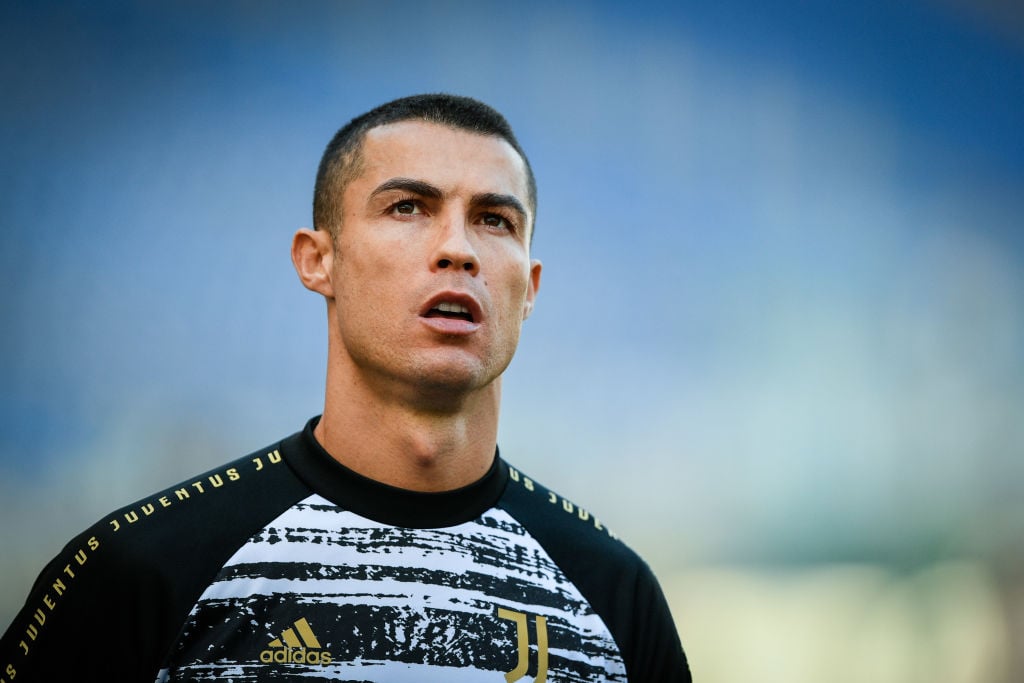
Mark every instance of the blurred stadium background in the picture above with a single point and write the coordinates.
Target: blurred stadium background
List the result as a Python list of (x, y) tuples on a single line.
[(780, 340)]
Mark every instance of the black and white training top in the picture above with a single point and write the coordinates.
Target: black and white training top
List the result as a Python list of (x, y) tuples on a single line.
[(286, 566)]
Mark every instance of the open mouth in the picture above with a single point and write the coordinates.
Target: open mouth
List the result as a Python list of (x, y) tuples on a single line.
[(452, 311)]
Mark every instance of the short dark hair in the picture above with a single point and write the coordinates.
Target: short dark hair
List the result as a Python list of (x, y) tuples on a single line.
[(341, 161)]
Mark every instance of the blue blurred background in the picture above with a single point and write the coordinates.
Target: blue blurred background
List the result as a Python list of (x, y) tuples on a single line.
[(779, 345)]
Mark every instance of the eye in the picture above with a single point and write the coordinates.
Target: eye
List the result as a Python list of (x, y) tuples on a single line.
[(497, 221), (406, 207)]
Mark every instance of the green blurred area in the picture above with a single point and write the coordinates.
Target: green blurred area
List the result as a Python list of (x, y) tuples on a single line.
[(952, 622)]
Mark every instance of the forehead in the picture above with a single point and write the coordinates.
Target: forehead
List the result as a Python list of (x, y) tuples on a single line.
[(452, 159)]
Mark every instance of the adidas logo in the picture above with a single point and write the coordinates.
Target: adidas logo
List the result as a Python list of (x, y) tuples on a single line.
[(297, 645)]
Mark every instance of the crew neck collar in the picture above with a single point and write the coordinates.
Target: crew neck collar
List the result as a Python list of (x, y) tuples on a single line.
[(384, 503)]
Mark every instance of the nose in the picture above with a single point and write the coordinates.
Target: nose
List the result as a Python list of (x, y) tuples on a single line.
[(454, 249)]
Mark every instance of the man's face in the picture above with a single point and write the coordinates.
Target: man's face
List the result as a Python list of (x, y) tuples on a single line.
[(432, 276)]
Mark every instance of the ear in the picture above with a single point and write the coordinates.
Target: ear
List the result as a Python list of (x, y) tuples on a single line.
[(531, 289), (313, 258)]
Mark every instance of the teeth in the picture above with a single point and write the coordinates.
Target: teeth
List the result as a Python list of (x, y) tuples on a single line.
[(447, 307)]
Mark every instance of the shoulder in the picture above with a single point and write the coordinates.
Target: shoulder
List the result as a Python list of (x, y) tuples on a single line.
[(205, 511), (617, 582), (562, 524), (132, 577)]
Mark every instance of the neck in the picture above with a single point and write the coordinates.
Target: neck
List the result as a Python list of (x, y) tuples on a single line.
[(412, 444)]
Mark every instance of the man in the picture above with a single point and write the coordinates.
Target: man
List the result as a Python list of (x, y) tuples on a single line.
[(387, 541)]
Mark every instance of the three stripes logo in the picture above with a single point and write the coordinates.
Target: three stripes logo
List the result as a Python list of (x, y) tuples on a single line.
[(297, 645)]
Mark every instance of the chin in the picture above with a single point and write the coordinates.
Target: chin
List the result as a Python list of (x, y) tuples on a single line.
[(451, 380), (455, 380)]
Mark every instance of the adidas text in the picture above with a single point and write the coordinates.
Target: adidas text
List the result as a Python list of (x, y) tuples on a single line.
[(289, 655)]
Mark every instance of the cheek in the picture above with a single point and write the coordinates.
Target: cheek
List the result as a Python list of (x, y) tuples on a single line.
[(364, 269), (360, 294), (510, 267), (514, 287)]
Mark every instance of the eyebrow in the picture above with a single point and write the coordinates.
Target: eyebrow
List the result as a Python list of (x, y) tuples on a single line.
[(408, 185), (505, 200), (425, 189)]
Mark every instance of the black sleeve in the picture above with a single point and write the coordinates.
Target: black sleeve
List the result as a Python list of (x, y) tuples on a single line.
[(619, 585), (656, 652), (110, 605), (89, 614)]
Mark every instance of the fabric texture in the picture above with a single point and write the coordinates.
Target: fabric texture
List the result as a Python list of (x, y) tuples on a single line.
[(285, 565)]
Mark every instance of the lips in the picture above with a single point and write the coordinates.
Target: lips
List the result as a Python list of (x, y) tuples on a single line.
[(452, 313), (448, 309)]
